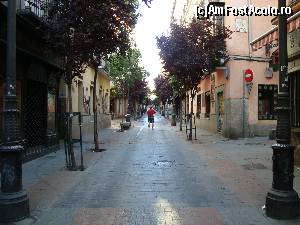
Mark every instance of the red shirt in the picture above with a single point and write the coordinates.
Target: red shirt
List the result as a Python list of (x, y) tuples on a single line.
[(151, 112)]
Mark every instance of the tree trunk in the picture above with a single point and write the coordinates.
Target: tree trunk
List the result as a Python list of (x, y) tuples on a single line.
[(129, 106), (70, 140), (180, 112), (119, 110), (191, 118), (124, 108), (96, 141), (185, 105)]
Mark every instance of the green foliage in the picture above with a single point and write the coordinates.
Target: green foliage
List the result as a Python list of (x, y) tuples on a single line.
[(127, 75), (163, 88), (192, 51), (85, 31)]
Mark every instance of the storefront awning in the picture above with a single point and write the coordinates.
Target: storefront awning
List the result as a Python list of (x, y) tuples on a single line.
[(272, 35)]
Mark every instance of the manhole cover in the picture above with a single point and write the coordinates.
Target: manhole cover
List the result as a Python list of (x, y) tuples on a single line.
[(164, 163), (254, 166)]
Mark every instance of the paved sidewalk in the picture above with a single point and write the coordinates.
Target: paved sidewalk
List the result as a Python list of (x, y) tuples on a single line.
[(155, 177)]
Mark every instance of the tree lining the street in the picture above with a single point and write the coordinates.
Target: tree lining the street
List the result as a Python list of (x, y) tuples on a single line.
[(83, 33), (128, 77), (163, 89), (192, 51)]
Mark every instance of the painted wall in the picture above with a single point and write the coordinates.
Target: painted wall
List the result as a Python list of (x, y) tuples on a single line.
[(240, 108), (82, 101)]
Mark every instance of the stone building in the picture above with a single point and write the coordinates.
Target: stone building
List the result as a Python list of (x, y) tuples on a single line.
[(225, 102)]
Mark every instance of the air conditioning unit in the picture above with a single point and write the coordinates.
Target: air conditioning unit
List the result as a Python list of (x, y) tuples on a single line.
[(269, 73)]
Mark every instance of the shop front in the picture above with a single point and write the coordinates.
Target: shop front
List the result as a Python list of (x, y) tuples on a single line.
[(269, 41)]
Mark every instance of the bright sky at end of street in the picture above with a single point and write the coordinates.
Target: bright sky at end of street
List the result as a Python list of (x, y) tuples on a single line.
[(153, 22)]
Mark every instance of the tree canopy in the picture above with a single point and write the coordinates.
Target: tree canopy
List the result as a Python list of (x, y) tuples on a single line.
[(127, 75), (86, 31), (163, 89), (192, 51)]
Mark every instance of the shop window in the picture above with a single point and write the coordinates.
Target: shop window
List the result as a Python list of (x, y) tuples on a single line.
[(295, 97), (207, 104), (198, 105), (267, 101)]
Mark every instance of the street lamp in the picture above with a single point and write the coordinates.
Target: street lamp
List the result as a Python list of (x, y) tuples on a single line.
[(14, 203), (282, 201)]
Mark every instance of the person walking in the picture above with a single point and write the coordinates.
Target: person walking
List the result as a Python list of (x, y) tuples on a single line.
[(150, 114)]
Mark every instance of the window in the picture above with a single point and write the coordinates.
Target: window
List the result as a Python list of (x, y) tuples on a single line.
[(207, 104), (198, 105), (267, 101), (295, 97), (218, 23)]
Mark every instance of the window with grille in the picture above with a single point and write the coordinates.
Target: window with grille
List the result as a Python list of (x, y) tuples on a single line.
[(207, 104), (267, 101), (198, 105)]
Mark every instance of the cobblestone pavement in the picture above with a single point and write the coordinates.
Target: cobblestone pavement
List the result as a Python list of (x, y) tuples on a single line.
[(155, 177)]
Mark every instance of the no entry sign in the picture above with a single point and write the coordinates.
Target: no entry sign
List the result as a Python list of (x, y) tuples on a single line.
[(248, 75)]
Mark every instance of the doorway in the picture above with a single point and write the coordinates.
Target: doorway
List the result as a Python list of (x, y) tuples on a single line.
[(35, 113)]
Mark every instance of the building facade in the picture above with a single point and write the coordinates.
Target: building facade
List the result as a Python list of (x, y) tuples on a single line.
[(82, 101), (38, 76), (225, 102), (268, 41)]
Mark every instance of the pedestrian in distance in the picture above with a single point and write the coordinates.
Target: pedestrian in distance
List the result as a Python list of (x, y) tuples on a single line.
[(150, 113)]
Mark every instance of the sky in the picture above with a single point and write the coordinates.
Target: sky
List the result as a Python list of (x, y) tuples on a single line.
[(153, 22)]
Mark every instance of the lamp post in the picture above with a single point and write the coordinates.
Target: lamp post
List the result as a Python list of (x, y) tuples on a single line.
[(282, 201), (14, 203)]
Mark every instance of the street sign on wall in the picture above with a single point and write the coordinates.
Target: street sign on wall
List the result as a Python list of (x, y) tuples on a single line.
[(248, 75)]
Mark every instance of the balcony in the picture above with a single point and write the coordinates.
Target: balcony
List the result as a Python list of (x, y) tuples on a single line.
[(33, 8)]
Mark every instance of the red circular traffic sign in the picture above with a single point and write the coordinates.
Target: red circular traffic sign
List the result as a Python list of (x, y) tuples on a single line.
[(248, 75)]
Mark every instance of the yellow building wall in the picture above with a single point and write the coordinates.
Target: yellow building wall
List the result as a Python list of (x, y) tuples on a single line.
[(82, 101)]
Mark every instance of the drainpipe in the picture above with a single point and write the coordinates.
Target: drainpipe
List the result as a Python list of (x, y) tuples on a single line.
[(244, 104), (249, 31)]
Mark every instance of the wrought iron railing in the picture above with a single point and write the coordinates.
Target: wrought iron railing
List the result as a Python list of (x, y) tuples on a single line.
[(36, 7)]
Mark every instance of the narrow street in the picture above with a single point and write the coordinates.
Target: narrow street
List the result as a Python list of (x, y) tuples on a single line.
[(155, 177)]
